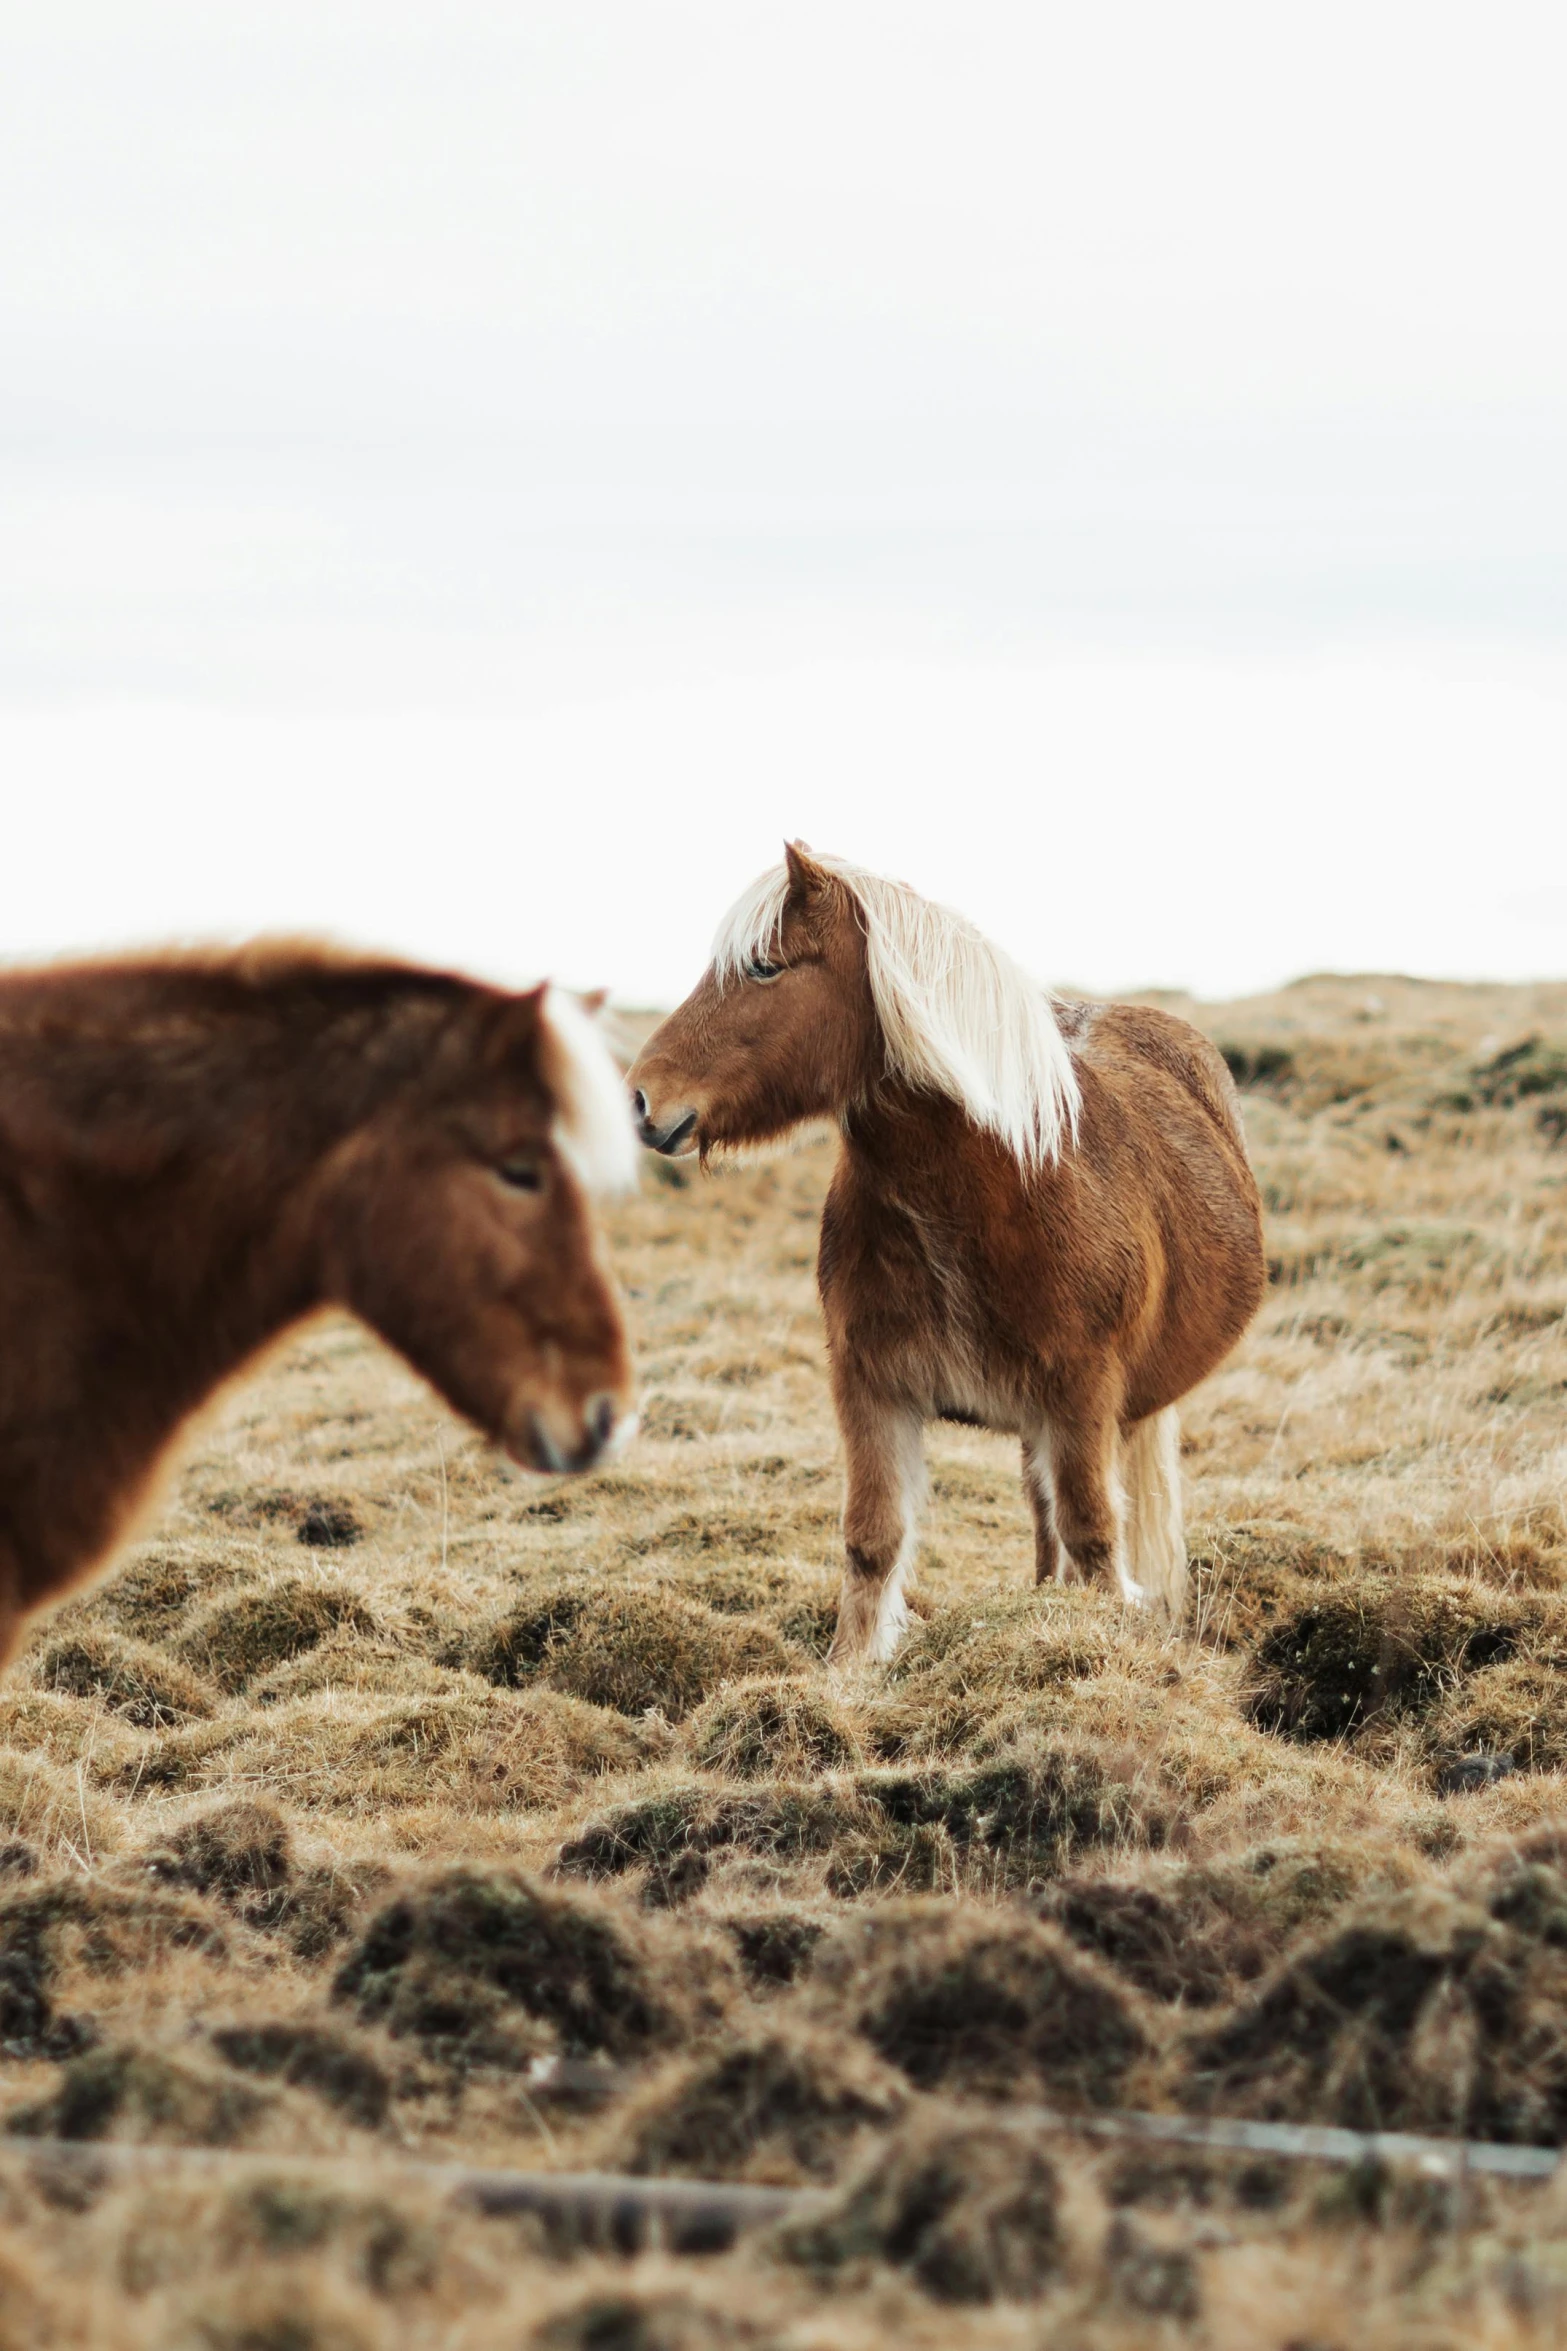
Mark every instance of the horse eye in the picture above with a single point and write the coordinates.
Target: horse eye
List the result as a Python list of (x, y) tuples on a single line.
[(523, 1175), (756, 969)]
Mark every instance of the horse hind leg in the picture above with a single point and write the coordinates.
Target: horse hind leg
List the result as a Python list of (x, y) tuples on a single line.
[(886, 1486), (1155, 1519), (1088, 1507)]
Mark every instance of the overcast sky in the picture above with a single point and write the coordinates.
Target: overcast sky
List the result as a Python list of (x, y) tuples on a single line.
[(473, 478)]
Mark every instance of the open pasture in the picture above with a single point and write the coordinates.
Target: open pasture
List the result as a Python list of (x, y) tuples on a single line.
[(377, 1773)]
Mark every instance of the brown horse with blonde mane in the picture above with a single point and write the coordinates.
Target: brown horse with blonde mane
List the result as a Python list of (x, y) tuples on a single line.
[(1042, 1218), (197, 1152)]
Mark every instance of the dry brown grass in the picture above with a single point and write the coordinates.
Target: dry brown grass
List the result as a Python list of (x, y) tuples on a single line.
[(377, 1771)]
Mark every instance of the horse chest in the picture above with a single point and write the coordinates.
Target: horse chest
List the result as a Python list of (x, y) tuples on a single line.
[(919, 1296)]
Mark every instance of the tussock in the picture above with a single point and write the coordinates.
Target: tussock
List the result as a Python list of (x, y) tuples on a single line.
[(989, 2004), (1345, 1662), (241, 1639), (489, 1965), (159, 1582), (52, 1810), (628, 1650), (1243, 1578), (1016, 1642), (775, 1947), (130, 2093), (1419, 2012), (1145, 1935), (970, 2210), (311, 2057), (1014, 1823), (781, 2104), (670, 1833), (609, 2320), (240, 1851), (134, 1679), (759, 1729), (1517, 1710)]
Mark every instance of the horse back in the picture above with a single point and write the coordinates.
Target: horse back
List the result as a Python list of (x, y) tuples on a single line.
[(1110, 1036)]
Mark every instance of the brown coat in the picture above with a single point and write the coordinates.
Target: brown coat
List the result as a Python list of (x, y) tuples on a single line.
[(1070, 1294), (198, 1152)]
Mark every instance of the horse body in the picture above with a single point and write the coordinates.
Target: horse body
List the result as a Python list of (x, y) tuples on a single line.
[(198, 1152), (1062, 1260)]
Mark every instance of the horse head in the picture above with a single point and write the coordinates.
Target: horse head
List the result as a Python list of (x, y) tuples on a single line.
[(780, 1028), (459, 1225)]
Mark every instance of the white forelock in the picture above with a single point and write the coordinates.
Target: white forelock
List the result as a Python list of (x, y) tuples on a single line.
[(958, 1016), (593, 1129)]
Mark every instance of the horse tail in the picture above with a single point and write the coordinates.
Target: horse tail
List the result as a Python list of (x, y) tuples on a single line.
[(1155, 1525)]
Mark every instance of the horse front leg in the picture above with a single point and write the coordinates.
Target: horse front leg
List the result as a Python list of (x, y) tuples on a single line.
[(885, 1464), (1089, 1509), (1050, 1561)]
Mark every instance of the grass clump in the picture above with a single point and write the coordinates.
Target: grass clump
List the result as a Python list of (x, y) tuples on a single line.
[(135, 1680), (129, 2093), (1517, 1711), (466, 1959), (1420, 2012), (311, 2057), (971, 2211), (52, 1811), (675, 1835), (1016, 1822), (759, 1728), (642, 2321), (780, 2105), (236, 1852), (1343, 1662), (1518, 1073), (1021, 1641), (239, 1640), (774, 1947), (1144, 1934), (548, 1745), (985, 2003), (160, 1582), (630, 1651), (1245, 1577), (242, 1854)]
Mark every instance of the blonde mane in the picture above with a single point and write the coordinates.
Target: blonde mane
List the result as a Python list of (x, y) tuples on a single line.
[(958, 1016), (593, 1128)]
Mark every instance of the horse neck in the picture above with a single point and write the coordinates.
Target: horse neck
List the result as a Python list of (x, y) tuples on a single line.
[(901, 1143)]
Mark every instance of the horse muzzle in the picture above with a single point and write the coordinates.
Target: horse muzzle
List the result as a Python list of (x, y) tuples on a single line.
[(554, 1444), (674, 1135)]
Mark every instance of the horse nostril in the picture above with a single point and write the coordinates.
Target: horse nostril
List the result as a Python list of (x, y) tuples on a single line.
[(600, 1418), (639, 1103)]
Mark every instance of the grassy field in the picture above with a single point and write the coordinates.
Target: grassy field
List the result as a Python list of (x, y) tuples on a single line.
[(375, 1774)]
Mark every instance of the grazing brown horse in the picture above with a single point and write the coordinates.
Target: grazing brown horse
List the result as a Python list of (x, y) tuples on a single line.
[(196, 1152), (1042, 1218)]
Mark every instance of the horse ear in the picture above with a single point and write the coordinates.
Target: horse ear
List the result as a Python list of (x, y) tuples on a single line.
[(518, 1016), (806, 877)]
